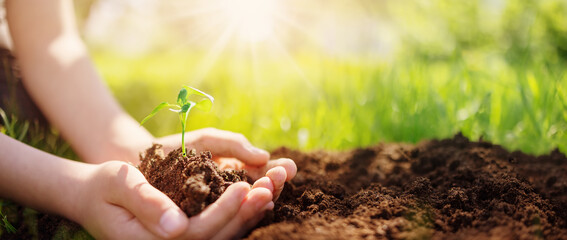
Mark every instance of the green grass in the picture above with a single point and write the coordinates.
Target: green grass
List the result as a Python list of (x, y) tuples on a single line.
[(490, 69), (340, 104)]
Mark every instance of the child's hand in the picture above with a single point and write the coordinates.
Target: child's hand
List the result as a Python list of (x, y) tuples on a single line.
[(233, 151), (117, 202)]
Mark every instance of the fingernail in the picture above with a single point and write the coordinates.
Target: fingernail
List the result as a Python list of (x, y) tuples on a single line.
[(171, 221), (277, 174), (268, 206)]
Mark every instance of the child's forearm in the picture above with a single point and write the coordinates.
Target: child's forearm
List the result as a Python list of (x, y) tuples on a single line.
[(41, 180), (110, 200), (60, 77)]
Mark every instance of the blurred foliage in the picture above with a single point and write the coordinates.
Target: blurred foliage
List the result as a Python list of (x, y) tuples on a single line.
[(490, 69), (17, 221)]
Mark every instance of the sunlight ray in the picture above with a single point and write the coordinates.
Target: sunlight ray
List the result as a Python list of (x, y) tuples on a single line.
[(278, 46), (194, 12), (300, 28), (200, 34), (192, 8), (204, 67)]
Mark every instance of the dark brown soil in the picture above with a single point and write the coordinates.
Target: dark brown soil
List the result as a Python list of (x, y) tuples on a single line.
[(449, 189), (192, 182)]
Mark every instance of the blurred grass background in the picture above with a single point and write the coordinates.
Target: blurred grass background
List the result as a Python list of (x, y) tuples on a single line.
[(354, 74)]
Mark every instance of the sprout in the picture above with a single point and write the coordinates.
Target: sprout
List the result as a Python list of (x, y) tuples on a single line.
[(183, 107)]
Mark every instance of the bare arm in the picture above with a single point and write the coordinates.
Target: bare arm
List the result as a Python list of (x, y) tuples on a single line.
[(37, 179), (61, 79), (80, 192)]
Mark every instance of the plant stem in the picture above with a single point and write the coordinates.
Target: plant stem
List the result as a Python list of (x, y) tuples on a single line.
[(182, 134)]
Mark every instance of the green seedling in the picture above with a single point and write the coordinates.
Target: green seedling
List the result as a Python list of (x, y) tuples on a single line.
[(183, 107)]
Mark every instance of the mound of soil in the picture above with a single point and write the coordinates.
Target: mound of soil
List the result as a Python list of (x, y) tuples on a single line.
[(448, 189), (192, 182)]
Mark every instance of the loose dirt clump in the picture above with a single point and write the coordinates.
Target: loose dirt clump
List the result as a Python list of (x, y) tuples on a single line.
[(448, 189), (192, 182)]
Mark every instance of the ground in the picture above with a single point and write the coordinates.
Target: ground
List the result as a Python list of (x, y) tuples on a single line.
[(448, 189)]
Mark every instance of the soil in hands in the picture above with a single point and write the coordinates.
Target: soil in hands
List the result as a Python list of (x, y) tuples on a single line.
[(449, 189), (192, 182)]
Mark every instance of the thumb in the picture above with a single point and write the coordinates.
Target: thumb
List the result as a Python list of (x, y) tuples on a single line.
[(157, 212)]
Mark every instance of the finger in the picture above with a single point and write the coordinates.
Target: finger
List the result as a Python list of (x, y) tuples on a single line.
[(256, 203), (152, 208), (277, 176), (228, 144), (218, 214), (264, 182), (286, 163)]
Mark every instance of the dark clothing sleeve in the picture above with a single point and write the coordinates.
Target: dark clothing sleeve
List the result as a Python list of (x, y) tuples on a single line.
[(14, 99)]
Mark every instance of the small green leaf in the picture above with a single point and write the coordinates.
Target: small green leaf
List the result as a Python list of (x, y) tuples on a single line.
[(185, 108), (204, 105), (194, 91), (182, 97), (156, 110)]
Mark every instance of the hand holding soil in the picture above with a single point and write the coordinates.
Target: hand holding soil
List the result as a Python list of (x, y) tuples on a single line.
[(132, 208), (233, 151), (194, 181), (133, 205)]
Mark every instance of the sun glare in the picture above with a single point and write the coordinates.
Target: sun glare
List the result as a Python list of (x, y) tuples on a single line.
[(252, 20), (253, 30)]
